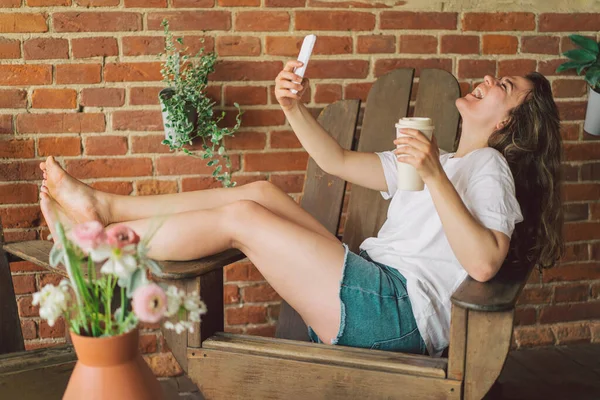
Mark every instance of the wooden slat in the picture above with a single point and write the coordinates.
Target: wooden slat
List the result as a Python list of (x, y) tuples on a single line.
[(231, 375), (322, 198), (375, 360), (488, 341), (11, 337), (498, 294), (458, 343), (36, 375), (387, 102), (38, 252), (436, 97)]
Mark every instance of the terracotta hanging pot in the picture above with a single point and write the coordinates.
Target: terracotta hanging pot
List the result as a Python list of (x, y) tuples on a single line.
[(111, 368)]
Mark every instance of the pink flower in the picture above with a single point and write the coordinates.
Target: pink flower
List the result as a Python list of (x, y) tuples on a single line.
[(121, 236), (88, 235), (149, 303)]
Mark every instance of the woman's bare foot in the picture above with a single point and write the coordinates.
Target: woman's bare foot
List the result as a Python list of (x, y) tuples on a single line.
[(53, 213), (80, 202)]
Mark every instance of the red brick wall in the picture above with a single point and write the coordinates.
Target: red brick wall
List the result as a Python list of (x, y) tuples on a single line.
[(79, 80)]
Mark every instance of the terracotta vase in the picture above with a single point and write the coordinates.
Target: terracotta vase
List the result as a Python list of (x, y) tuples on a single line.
[(111, 368)]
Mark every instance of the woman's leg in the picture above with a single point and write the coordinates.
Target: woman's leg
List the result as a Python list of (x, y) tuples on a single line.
[(302, 266), (82, 203)]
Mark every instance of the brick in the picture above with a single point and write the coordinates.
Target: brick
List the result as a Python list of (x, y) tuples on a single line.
[(572, 272), (476, 68), (418, 44), (292, 183), (284, 3), (567, 44), (358, 90), (6, 124), (498, 21), (571, 110), (575, 212), (570, 312), (78, 73), (47, 3), (28, 328), (254, 118), (23, 23), (535, 295), (239, 3), (153, 186), (273, 310), (245, 315), (20, 171), (238, 46), (245, 95), (516, 67), (575, 252), (61, 123), (246, 70), (21, 217), (328, 93), (334, 69), (263, 331), (92, 21), (525, 316), (163, 364), (144, 95), (19, 236), (242, 271), (595, 212), (45, 49), (132, 72), (18, 193), (533, 336), (148, 343), (248, 140), (540, 44), (569, 22), (569, 88), (25, 75), (573, 292), (582, 151), (137, 120), (284, 161), (570, 132), (570, 172), (109, 167), (10, 48), (186, 165), (290, 45), (500, 44), (26, 308), (284, 139), (143, 45), (418, 20), (193, 3), (460, 44), (191, 20), (384, 66), (56, 331), (10, 3), (102, 97), (122, 188), (590, 172), (54, 98), (573, 333), (146, 3), (148, 144), (98, 3), (94, 47), (17, 148), (206, 182), (334, 21), (231, 294), (548, 68), (262, 21), (105, 145), (376, 44), (23, 284), (59, 146)]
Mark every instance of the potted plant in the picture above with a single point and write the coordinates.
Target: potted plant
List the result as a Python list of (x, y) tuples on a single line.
[(109, 364), (586, 58), (187, 111)]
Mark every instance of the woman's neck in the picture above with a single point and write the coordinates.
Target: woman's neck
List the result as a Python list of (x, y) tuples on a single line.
[(470, 139)]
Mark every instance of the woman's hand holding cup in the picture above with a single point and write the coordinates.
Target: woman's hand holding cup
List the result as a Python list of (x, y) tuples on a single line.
[(417, 150), (287, 80)]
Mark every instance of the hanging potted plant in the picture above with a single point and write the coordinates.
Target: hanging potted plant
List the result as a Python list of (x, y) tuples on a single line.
[(586, 59), (187, 111), (109, 364)]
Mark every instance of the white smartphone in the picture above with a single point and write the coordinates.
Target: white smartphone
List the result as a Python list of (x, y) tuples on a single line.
[(307, 47)]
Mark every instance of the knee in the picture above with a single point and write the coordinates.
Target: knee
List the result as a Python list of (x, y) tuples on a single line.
[(261, 191), (239, 216)]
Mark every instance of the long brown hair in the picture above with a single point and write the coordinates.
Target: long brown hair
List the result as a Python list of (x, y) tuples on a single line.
[(532, 145)]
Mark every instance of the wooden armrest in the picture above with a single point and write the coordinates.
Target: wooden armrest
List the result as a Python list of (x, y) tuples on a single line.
[(38, 252), (498, 294)]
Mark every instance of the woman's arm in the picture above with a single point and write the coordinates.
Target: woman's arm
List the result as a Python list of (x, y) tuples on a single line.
[(363, 169), (481, 251)]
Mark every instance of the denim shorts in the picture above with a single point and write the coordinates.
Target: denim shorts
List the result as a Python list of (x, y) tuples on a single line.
[(376, 310)]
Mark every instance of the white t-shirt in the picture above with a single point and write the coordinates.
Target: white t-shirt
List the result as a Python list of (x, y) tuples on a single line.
[(413, 240)]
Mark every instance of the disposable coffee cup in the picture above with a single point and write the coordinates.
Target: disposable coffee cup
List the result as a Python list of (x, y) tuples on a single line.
[(408, 177)]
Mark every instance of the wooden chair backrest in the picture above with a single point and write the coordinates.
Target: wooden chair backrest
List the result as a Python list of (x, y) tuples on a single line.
[(388, 101)]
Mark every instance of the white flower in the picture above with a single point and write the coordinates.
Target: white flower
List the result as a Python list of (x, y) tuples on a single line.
[(53, 301), (179, 326), (120, 263), (174, 300)]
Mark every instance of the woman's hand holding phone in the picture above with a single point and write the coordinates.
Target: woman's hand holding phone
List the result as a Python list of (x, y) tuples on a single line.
[(287, 80)]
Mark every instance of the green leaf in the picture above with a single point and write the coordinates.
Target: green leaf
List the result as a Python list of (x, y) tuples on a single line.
[(221, 150), (593, 76), (138, 278), (568, 65), (56, 256), (580, 55), (154, 267), (586, 43)]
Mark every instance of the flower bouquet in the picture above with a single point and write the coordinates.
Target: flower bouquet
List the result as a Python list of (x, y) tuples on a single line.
[(106, 340)]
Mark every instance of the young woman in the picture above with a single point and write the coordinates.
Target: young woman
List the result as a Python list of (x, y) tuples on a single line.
[(394, 295)]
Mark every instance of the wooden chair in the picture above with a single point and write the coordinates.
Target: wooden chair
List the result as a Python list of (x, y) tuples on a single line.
[(230, 366)]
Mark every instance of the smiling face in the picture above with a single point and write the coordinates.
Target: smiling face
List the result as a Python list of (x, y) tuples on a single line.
[(488, 106)]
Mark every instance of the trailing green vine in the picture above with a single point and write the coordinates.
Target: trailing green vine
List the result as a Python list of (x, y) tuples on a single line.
[(189, 111)]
